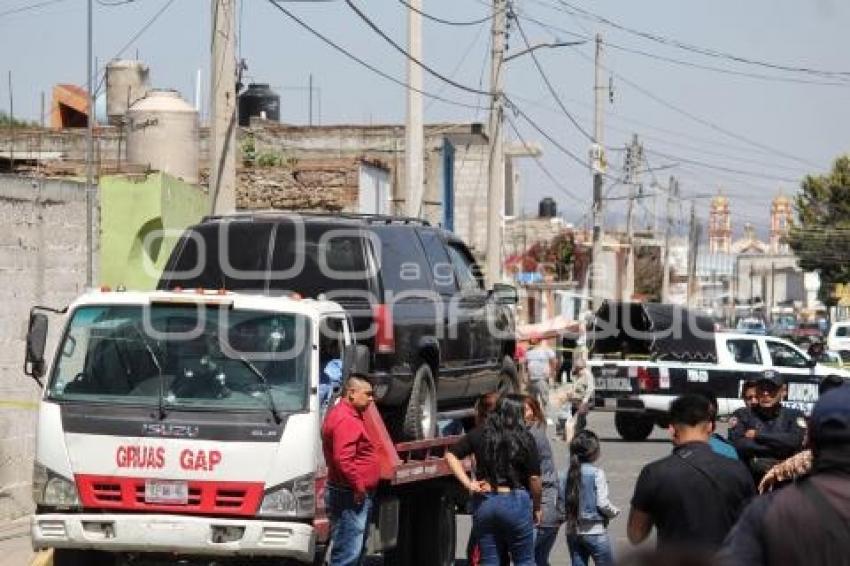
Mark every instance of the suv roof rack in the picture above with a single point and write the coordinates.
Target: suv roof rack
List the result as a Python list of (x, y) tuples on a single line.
[(372, 218)]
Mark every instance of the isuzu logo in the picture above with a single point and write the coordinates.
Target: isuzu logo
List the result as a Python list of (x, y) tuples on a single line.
[(170, 430)]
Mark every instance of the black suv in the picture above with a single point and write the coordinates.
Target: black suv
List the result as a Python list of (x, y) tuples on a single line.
[(414, 293)]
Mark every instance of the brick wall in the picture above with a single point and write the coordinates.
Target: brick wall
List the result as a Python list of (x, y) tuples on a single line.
[(42, 261)]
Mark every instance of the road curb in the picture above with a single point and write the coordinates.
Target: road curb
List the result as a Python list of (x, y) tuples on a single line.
[(43, 558)]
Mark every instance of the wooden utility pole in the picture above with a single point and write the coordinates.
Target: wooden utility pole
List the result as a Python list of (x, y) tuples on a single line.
[(414, 129), (90, 151), (597, 159), (223, 108), (672, 192), (496, 182)]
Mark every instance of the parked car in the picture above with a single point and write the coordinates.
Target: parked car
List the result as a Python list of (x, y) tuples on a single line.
[(838, 339), (751, 326), (414, 292), (783, 326), (807, 332)]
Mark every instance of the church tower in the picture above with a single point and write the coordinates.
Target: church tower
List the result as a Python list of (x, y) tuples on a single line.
[(719, 225), (780, 224)]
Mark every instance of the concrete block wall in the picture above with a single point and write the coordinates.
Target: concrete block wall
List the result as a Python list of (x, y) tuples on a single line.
[(42, 261)]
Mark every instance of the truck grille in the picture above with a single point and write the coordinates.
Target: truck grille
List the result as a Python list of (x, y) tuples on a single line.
[(208, 497)]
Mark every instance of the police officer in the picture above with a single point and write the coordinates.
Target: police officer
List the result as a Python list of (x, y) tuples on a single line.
[(768, 432)]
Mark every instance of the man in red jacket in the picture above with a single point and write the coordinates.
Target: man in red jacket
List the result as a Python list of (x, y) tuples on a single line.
[(353, 472)]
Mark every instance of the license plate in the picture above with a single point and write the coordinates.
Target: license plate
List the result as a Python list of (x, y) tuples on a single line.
[(614, 383), (169, 492)]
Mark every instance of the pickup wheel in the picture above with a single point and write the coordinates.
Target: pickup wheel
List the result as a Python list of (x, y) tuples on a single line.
[(418, 419), (73, 557), (633, 427), (508, 378)]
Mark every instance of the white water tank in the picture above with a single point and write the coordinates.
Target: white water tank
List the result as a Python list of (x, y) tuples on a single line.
[(163, 134), (126, 82)]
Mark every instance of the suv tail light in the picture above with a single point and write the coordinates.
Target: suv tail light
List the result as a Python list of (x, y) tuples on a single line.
[(384, 333), (646, 381)]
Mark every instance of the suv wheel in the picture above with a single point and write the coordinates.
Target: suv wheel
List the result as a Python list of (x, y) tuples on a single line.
[(419, 416), (633, 427), (508, 379)]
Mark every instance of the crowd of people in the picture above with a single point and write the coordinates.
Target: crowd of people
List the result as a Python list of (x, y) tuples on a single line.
[(775, 490)]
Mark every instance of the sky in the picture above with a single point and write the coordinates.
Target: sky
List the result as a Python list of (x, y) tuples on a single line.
[(751, 136)]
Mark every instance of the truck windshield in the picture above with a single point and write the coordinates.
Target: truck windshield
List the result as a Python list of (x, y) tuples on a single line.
[(184, 356)]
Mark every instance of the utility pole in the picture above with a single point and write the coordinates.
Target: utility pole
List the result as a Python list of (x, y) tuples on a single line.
[(496, 184), (597, 161), (223, 108), (90, 152), (310, 100), (414, 129), (672, 192), (634, 159), (693, 240)]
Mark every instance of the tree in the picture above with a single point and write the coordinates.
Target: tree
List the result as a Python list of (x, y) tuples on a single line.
[(821, 235), (6, 121)]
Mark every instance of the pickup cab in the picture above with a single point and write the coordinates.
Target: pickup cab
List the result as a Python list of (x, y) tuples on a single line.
[(638, 387)]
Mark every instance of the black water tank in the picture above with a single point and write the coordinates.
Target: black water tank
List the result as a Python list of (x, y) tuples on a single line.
[(548, 208), (259, 100)]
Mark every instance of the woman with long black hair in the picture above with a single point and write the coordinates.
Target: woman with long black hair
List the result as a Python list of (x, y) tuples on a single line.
[(508, 483), (586, 504)]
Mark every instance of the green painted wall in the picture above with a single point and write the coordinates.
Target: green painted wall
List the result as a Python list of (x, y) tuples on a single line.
[(141, 218)]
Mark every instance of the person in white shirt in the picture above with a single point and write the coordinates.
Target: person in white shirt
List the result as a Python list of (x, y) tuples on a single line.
[(541, 365)]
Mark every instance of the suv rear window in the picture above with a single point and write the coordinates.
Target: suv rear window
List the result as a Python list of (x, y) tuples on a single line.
[(308, 258)]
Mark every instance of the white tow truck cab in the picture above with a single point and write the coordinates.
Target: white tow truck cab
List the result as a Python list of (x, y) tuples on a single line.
[(181, 422), (188, 424)]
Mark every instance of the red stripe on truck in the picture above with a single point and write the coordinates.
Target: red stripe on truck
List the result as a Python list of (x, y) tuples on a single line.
[(205, 497)]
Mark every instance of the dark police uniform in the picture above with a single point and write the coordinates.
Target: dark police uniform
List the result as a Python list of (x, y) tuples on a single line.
[(777, 437)]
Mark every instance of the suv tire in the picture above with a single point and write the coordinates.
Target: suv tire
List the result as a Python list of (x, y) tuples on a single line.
[(633, 427), (418, 419), (508, 377)]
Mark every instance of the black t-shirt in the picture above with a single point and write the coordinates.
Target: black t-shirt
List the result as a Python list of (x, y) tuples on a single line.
[(514, 473), (694, 496)]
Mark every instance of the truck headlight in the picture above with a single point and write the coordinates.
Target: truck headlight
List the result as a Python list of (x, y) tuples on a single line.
[(52, 490), (295, 498)]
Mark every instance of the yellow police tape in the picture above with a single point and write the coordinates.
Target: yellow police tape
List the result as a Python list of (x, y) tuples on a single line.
[(18, 404)]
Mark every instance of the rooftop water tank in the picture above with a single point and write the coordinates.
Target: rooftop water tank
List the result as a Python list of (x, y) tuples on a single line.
[(258, 101), (547, 208), (126, 82), (163, 134)]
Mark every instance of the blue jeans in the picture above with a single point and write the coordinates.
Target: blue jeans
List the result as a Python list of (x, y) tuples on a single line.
[(544, 540), (348, 525), (504, 526), (583, 547)]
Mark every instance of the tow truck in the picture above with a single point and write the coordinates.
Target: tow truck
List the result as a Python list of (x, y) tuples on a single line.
[(187, 424)]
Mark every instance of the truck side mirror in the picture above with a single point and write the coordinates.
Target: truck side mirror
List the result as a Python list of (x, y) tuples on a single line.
[(36, 341), (355, 361), (505, 294)]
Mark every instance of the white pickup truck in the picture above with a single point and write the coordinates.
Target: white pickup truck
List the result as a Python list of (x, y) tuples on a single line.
[(669, 351)]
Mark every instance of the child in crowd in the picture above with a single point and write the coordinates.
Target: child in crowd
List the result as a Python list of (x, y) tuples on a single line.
[(584, 499)]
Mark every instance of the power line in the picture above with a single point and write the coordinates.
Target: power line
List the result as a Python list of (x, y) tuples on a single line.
[(540, 164), (362, 15), (722, 168), (706, 51), (365, 64), (681, 62), (29, 7), (700, 120), (548, 83), (443, 21)]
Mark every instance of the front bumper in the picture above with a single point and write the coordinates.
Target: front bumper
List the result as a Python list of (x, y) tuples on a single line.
[(174, 534)]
